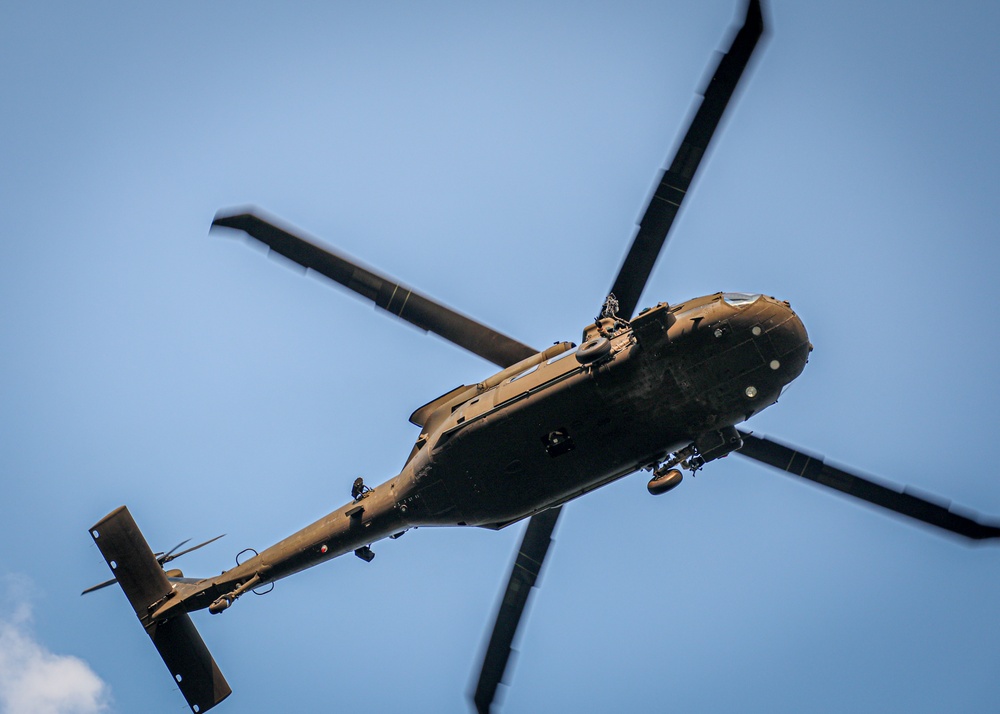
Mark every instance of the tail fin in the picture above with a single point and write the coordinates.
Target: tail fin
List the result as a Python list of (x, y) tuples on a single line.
[(146, 585)]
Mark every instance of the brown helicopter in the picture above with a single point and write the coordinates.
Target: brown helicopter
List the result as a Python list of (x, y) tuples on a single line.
[(661, 390)]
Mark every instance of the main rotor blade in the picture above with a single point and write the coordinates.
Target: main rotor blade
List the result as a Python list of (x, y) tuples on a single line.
[(534, 546), (884, 495), (385, 292), (675, 181)]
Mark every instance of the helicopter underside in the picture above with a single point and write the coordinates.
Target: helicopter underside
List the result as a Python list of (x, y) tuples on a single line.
[(564, 428)]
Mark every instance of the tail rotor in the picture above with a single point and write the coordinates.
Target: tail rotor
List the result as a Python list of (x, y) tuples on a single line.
[(161, 558)]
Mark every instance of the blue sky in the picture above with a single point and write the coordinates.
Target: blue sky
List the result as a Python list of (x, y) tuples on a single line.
[(496, 158)]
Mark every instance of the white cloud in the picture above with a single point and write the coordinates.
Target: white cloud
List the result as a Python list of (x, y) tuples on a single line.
[(33, 680)]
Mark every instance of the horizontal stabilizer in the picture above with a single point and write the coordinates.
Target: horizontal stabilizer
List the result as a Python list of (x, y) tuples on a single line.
[(145, 585), (188, 659)]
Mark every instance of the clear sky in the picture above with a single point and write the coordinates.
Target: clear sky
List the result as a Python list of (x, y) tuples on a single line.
[(494, 156)]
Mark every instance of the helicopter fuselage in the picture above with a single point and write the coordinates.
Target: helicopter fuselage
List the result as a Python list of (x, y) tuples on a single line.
[(557, 425)]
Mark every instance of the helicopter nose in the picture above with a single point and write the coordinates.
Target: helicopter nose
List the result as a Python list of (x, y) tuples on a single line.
[(780, 337), (734, 353)]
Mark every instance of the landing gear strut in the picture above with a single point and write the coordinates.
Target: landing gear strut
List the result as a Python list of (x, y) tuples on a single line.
[(666, 477), (707, 447)]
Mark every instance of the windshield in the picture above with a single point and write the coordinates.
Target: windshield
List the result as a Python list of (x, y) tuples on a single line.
[(739, 299)]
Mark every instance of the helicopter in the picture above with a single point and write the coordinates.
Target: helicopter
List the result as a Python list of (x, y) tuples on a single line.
[(453, 422)]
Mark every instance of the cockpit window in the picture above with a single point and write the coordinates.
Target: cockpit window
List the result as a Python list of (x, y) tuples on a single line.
[(740, 299)]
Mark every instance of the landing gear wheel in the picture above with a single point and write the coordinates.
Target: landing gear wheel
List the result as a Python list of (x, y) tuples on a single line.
[(663, 483)]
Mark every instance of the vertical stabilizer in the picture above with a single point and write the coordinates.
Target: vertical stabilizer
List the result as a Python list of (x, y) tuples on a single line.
[(141, 576)]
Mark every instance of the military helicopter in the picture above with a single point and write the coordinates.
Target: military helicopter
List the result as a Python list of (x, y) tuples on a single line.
[(677, 379)]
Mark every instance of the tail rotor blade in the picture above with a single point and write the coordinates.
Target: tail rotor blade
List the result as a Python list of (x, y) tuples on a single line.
[(105, 584), (168, 557), (164, 557)]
